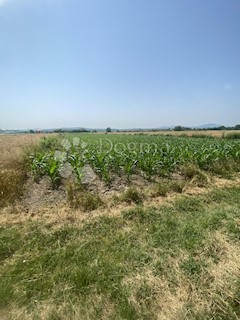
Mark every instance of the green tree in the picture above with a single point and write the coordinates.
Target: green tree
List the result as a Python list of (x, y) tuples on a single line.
[(178, 128), (237, 127)]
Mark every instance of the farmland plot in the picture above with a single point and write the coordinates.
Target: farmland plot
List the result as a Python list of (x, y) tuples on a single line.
[(149, 250), (150, 157)]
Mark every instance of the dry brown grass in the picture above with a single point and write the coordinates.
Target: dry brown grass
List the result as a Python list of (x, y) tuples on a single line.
[(12, 168), (189, 133), (11, 185), (66, 311), (218, 286), (11, 147)]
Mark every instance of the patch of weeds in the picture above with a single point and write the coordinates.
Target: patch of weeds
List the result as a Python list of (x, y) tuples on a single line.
[(139, 214), (176, 186), (163, 266), (196, 176), (6, 292), (116, 199), (144, 295), (85, 201), (132, 195), (192, 267), (164, 187), (165, 232), (189, 171), (102, 226), (214, 220), (192, 236), (49, 143), (161, 189), (233, 135), (225, 169), (213, 250), (189, 204), (9, 242), (11, 186), (226, 196), (125, 309), (201, 179), (81, 199), (225, 305), (233, 229), (45, 145), (234, 303)]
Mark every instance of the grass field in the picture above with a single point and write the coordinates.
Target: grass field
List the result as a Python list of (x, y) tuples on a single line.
[(130, 227)]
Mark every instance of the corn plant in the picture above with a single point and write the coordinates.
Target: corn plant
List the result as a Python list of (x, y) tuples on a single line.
[(38, 164), (53, 169), (130, 165), (101, 164), (77, 163), (148, 164), (167, 154), (45, 164)]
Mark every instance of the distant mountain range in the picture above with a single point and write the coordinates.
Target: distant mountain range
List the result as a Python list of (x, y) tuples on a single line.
[(81, 129), (208, 126)]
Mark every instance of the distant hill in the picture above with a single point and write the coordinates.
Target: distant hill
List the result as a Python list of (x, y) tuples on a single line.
[(208, 126)]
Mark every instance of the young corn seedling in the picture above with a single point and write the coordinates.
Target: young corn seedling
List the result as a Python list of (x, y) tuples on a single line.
[(77, 163), (101, 164), (77, 157), (148, 164), (168, 158), (129, 166), (38, 164), (53, 170)]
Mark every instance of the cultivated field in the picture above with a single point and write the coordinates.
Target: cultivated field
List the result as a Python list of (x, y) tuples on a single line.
[(118, 226), (188, 133), (127, 157)]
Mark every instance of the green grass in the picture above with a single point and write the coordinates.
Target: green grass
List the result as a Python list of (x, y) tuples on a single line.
[(126, 267)]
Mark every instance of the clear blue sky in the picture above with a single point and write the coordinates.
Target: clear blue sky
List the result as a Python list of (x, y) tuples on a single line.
[(119, 63)]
